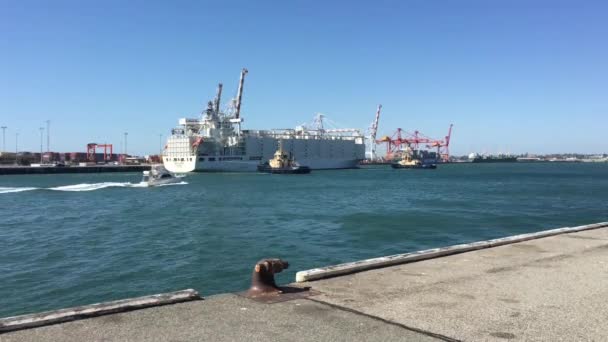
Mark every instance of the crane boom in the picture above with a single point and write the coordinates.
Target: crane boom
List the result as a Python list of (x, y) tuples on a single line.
[(375, 124), (447, 137), (240, 93), (373, 132), (446, 150), (398, 142), (218, 99)]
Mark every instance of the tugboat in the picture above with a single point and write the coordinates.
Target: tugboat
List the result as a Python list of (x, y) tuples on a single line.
[(158, 175), (407, 162), (282, 163)]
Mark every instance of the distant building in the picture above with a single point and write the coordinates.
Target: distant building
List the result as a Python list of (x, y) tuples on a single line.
[(154, 159), (130, 160)]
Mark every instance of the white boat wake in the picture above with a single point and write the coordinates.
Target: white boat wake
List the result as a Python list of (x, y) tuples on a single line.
[(91, 187), (4, 190), (180, 183), (84, 187)]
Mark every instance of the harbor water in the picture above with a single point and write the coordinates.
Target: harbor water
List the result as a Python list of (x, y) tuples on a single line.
[(75, 239)]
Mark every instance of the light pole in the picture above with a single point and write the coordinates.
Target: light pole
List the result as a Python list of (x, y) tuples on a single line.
[(16, 147), (48, 135), (4, 138), (126, 134), (41, 131)]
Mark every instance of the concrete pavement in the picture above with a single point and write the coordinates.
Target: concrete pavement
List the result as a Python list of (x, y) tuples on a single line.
[(225, 318), (551, 289)]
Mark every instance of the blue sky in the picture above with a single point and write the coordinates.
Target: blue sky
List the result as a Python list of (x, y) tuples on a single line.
[(516, 76)]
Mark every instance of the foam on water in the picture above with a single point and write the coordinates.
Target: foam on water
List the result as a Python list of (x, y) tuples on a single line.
[(6, 190), (90, 187), (180, 183), (84, 187)]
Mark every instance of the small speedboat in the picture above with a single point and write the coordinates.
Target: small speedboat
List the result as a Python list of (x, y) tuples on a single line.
[(282, 163), (158, 175)]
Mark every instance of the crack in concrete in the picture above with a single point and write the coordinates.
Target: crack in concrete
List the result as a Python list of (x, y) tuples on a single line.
[(403, 326)]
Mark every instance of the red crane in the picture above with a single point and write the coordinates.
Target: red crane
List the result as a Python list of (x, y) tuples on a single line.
[(418, 138), (92, 151), (393, 143), (398, 141), (446, 150), (443, 146)]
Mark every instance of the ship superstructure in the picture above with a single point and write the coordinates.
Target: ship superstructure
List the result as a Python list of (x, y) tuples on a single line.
[(217, 142)]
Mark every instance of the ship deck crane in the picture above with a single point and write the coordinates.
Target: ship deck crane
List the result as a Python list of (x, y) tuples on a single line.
[(239, 98), (218, 99)]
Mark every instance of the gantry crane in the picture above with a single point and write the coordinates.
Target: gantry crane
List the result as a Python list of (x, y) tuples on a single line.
[(401, 140), (398, 142), (443, 146), (92, 150)]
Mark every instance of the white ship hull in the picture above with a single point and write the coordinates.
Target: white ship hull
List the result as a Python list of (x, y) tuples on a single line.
[(251, 166), (183, 154)]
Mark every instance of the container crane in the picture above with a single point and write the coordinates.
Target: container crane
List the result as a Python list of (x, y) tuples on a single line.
[(414, 140), (401, 139), (445, 156), (443, 146), (394, 143)]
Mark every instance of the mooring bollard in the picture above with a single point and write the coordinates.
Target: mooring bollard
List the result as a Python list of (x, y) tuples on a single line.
[(262, 278)]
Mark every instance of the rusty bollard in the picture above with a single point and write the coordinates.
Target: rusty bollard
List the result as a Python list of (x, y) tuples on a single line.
[(262, 278)]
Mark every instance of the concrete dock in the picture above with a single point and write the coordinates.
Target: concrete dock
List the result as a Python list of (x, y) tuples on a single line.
[(30, 170), (552, 288)]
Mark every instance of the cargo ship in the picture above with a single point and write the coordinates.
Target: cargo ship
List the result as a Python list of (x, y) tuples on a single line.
[(501, 158), (217, 142)]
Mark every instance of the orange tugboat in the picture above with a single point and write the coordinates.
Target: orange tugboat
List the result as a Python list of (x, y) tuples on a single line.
[(283, 163), (408, 162)]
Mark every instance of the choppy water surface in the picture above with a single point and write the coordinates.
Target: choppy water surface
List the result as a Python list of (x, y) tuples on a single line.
[(67, 240)]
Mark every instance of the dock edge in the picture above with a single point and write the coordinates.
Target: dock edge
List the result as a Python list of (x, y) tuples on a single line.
[(93, 310), (397, 259)]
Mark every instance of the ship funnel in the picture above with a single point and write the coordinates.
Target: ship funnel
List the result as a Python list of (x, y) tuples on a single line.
[(240, 93)]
